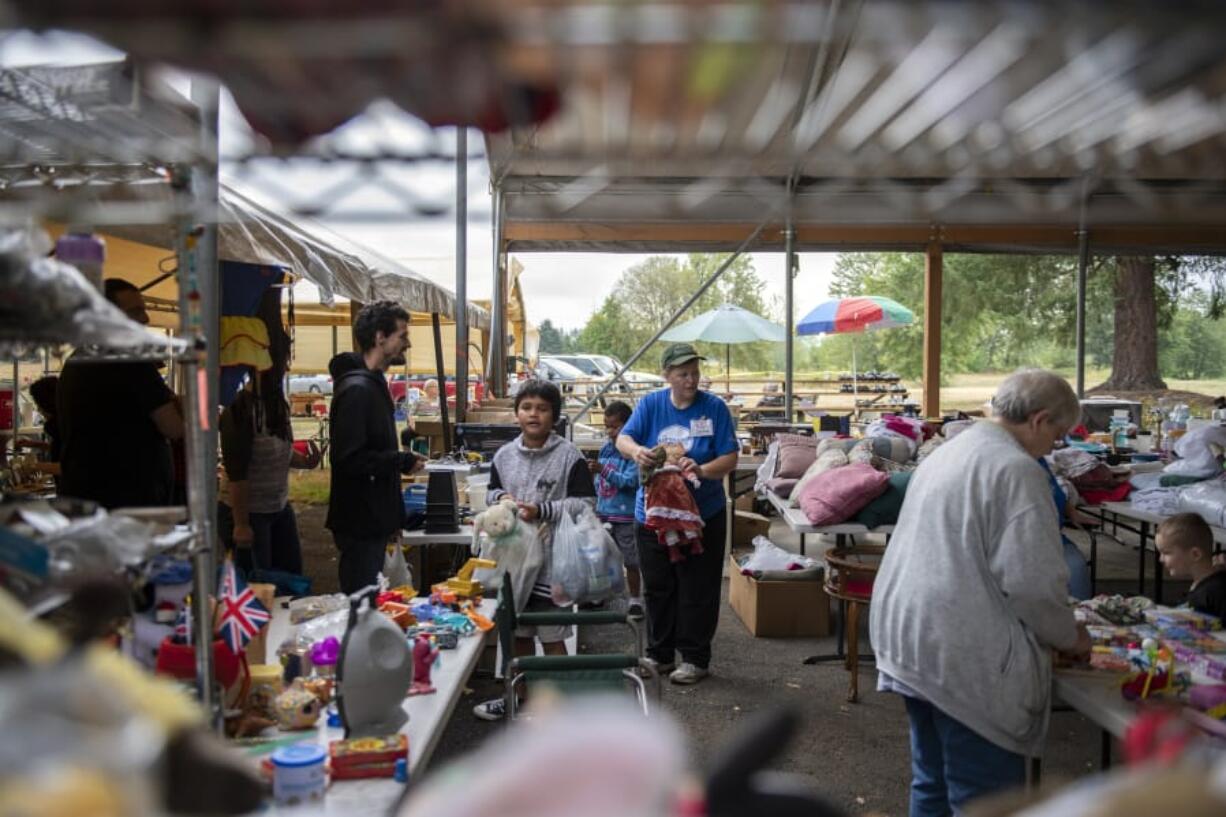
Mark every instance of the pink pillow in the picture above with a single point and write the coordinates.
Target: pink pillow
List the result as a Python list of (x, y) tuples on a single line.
[(837, 495), (796, 454)]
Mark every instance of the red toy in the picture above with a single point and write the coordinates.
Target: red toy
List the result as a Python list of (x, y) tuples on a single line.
[(670, 507), (424, 656)]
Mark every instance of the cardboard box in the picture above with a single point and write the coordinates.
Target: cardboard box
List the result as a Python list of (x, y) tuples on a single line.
[(783, 609), (745, 501), (746, 525)]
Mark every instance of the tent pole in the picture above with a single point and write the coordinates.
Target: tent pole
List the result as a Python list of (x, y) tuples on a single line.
[(461, 274), (934, 261), (198, 312), (16, 402), (442, 379), (1083, 263), (496, 364), (789, 347), (698, 293)]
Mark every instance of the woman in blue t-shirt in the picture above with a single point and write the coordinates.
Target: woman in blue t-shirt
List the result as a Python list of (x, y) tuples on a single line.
[(683, 597)]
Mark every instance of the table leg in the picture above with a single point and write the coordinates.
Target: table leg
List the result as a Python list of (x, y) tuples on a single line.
[(1157, 572), (1093, 563), (802, 544), (853, 651), (1036, 772), (1141, 561), (1105, 758)]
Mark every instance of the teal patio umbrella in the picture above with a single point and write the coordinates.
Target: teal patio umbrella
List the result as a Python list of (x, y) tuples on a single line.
[(727, 324)]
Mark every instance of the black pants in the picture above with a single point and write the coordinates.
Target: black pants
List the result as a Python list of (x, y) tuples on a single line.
[(276, 545), (361, 560), (682, 597)]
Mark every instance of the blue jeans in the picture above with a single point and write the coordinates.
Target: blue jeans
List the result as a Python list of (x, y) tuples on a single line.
[(952, 765), (1079, 585), (276, 545)]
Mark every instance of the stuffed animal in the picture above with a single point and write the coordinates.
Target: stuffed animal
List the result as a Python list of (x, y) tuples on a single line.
[(500, 535), (670, 507)]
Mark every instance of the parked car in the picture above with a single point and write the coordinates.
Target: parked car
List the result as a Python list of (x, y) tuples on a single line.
[(608, 365), (589, 368), (313, 383)]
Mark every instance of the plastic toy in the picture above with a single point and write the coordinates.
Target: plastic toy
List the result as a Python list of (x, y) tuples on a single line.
[(297, 707), (445, 638), (462, 584), (397, 612), (1156, 672), (482, 623), (424, 656)]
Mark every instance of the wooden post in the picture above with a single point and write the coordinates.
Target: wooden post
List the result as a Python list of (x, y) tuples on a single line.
[(933, 267)]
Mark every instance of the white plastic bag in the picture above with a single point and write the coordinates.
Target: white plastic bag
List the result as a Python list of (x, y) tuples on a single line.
[(1207, 499), (769, 556), (587, 565), (395, 569)]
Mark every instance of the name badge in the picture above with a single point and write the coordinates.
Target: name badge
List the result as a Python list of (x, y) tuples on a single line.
[(702, 427)]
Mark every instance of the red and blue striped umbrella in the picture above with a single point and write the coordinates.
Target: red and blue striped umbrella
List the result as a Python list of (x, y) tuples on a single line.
[(854, 315)]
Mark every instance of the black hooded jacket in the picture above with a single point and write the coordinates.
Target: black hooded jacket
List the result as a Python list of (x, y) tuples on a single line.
[(366, 459)]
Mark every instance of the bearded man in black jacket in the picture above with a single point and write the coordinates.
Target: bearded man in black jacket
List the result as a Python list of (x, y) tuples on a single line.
[(366, 509)]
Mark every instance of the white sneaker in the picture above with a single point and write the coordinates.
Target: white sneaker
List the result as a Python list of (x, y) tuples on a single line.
[(492, 710), (661, 669), (688, 673)]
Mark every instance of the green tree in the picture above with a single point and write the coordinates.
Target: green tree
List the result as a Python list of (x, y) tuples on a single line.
[(553, 341), (650, 292)]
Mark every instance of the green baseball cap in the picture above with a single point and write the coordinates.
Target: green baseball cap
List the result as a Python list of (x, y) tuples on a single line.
[(678, 354)]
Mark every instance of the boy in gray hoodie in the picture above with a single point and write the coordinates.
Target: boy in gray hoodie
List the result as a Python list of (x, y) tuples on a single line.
[(546, 476)]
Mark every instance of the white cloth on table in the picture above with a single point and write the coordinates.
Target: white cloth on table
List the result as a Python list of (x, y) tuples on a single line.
[(1207, 499), (1160, 501), (1197, 454), (766, 471), (1072, 462)]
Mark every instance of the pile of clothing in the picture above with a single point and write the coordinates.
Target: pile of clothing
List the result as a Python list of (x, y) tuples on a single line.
[(1193, 482), (841, 479)]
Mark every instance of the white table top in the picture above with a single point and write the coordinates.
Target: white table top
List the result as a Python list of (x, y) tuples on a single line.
[(1130, 511), (419, 537), (1097, 696), (428, 717)]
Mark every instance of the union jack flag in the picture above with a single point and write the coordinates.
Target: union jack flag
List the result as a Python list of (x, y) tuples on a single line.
[(241, 616)]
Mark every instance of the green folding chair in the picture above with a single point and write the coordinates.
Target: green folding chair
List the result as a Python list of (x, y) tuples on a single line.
[(570, 674)]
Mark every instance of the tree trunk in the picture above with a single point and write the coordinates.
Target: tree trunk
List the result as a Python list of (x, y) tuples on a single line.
[(1134, 364)]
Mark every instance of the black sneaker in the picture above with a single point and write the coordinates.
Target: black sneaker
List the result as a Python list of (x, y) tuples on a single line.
[(492, 710)]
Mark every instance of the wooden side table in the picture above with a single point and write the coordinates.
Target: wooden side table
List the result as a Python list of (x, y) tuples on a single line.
[(850, 573)]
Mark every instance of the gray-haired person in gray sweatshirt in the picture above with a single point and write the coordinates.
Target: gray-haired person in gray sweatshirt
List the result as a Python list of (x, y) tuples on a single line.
[(547, 476), (971, 599)]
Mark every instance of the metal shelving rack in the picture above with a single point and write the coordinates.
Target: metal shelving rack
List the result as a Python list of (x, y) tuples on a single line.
[(115, 134)]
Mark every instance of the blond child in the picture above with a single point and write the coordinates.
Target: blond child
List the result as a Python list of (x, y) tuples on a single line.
[(1185, 545)]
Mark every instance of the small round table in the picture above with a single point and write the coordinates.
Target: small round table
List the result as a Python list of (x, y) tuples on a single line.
[(850, 572)]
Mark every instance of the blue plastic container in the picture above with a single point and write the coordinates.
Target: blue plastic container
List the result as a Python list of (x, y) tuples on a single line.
[(415, 499)]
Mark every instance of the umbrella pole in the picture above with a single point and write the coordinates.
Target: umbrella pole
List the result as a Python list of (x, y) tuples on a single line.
[(855, 381), (728, 368)]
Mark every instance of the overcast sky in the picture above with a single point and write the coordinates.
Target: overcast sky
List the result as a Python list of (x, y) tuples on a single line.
[(564, 288)]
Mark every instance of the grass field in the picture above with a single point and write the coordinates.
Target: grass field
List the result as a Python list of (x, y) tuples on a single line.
[(971, 391)]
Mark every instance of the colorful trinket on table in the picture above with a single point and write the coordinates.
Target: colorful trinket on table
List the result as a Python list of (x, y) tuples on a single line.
[(462, 584), (397, 612), (359, 758), (297, 707), (481, 622), (425, 654), (1156, 672)]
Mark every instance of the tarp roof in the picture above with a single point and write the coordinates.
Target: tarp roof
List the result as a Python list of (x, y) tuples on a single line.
[(684, 125)]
